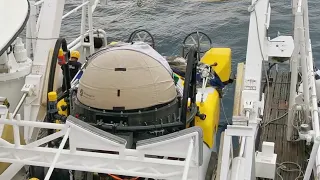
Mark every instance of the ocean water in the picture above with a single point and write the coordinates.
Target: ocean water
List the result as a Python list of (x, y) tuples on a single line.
[(170, 21)]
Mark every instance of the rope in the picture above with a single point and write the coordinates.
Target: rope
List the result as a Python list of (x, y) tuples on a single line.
[(276, 119), (225, 115), (282, 167)]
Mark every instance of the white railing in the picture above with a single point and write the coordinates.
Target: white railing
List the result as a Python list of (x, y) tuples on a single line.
[(87, 8), (75, 9), (301, 62), (85, 141), (305, 60)]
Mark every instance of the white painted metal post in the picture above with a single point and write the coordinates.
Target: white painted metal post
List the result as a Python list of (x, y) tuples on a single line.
[(249, 158), (255, 55), (4, 142), (294, 4), (95, 3), (303, 58), (75, 9), (294, 77), (56, 157), (16, 133), (83, 30), (188, 159), (251, 145), (315, 113), (242, 146), (32, 124), (305, 11), (225, 157), (312, 158), (38, 3), (90, 22)]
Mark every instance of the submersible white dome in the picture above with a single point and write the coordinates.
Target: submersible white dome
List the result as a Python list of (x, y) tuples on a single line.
[(125, 79)]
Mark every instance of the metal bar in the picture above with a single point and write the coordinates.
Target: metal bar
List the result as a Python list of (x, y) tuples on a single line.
[(74, 42), (188, 159), (314, 107), (253, 157), (294, 4), (225, 157), (83, 30), (303, 61), (23, 98), (39, 2), (56, 157), (90, 22), (76, 47), (174, 168), (75, 9), (5, 143), (16, 133), (79, 167), (242, 145), (306, 24), (312, 158), (46, 139), (95, 5), (33, 124), (294, 79)]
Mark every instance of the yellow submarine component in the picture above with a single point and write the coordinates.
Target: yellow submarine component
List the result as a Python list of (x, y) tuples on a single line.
[(211, 108), (221, 56), (211, 104), (53, 97), (61, 110)]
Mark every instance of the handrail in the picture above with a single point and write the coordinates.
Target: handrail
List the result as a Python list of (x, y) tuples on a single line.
[(88, 7), (306, 60), (75, 9), (39, 2)]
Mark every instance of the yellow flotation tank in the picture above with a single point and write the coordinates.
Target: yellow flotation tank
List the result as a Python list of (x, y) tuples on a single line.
[(221, 56), (211, 101), (211, 108)]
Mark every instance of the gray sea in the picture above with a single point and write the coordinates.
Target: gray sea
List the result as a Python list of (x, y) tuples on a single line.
[(170, 21)]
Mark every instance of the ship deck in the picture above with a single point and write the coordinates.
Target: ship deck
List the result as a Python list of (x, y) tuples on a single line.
[(274, 128)]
